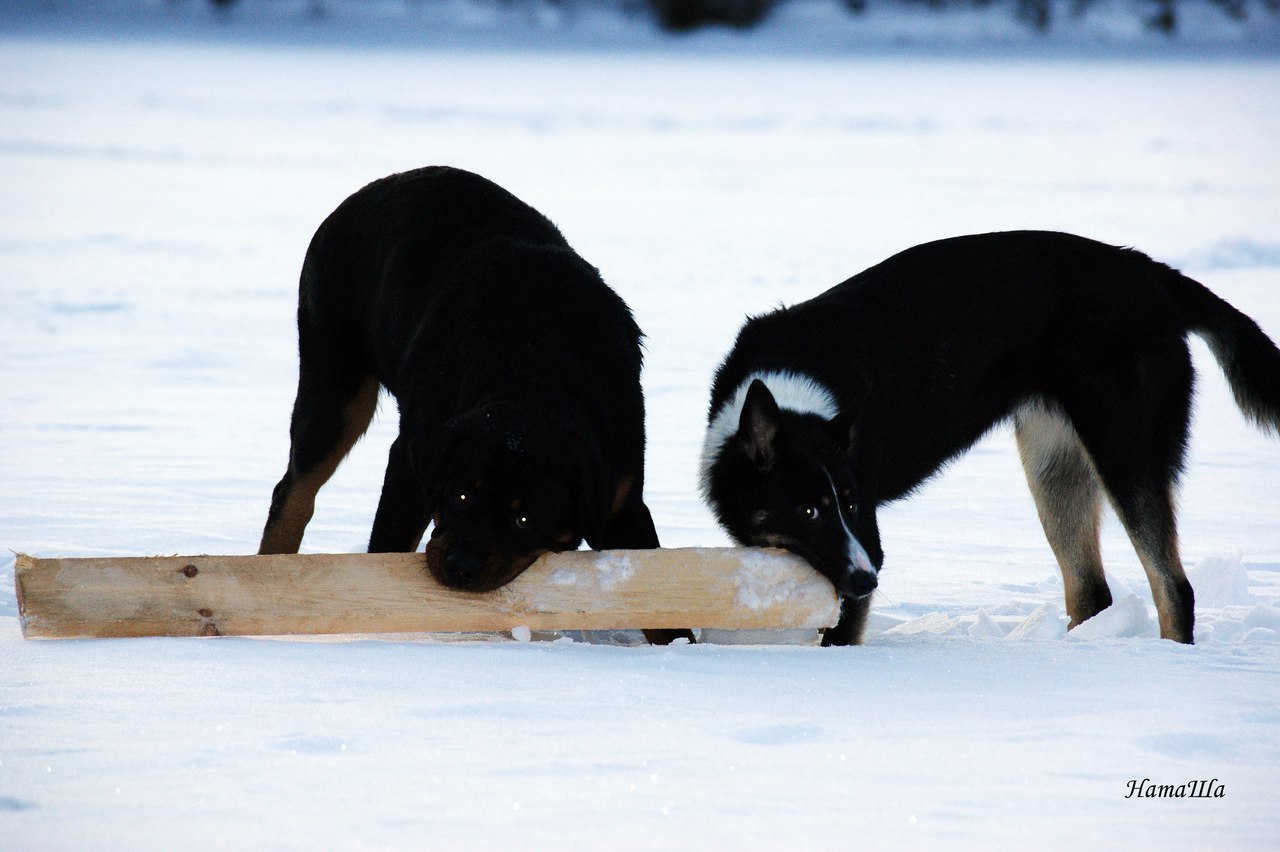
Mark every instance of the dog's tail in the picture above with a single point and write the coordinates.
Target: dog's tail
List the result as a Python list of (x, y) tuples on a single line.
[(1247, 356)]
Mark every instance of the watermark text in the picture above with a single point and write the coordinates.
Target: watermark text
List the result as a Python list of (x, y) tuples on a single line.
[(1199, 789)]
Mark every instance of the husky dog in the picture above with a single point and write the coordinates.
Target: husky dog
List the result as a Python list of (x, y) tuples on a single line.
[(827, 409)]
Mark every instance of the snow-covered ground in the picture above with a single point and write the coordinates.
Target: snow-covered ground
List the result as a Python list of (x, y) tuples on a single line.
[(156, 200)]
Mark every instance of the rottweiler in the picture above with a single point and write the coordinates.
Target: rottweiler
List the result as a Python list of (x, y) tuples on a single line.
[(515, 369)]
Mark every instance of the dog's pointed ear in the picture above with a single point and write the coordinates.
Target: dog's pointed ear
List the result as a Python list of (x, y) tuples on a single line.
[(760, 426)]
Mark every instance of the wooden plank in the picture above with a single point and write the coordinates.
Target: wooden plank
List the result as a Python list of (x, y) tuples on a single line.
[(722, 588)]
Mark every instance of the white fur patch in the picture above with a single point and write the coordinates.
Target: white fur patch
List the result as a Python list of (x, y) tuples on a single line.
[(792, 391), (857, 556)]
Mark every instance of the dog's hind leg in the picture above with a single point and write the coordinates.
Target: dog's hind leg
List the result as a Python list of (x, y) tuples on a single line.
[(1133, 420), (1152, 528), (1068, 499), (334, 407)]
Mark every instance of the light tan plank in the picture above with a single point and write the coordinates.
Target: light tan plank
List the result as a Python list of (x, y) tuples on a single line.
[(721, 588)]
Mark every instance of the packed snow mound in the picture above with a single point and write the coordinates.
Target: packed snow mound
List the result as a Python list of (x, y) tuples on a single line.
[(985, 627), (1220, 581), (1124, 619), (932, 624), (1045, 622)]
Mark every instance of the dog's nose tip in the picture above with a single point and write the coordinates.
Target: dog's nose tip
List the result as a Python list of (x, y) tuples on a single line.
[(461, 567), (860, 583)]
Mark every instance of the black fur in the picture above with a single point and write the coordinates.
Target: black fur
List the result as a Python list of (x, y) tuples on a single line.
[(515, 368), (927, 351)]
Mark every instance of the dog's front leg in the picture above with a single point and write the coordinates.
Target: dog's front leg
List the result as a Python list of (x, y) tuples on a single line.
[(631, 527), (852, 623), (402, 513), (853, 609)]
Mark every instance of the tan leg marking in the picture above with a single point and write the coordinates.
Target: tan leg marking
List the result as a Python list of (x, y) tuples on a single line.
[(622, 493), (1067, 495), (285, 535), (1163, 566)]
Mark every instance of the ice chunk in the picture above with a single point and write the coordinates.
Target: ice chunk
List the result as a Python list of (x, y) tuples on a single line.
[(1260, 623), (1220, 581), (985, 627), (1045, 622), (521, 634), (879, 622), (935, 623), (1125, 618), (1263, 616)]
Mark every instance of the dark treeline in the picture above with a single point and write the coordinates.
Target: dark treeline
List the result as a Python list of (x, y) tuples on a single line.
[(687, 15), (1162, 15)]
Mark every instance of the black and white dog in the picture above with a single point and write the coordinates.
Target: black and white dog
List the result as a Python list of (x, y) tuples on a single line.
[(825, 410), (515, 368)]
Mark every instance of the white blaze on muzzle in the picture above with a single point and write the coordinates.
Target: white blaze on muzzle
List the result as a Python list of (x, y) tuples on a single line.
[(857, 558)]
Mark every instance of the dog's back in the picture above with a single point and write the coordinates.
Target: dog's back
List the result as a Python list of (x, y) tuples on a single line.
[(469, 273), (392, 247), (971, 327)]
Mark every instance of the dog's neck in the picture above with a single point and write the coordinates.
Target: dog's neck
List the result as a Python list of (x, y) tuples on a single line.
[(792, 391)]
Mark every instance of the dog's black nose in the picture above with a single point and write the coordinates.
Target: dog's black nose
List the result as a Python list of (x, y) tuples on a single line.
[(462, 568), (859, 584)]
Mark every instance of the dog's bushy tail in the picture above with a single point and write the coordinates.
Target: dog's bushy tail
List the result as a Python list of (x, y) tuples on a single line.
[(1247, 356)]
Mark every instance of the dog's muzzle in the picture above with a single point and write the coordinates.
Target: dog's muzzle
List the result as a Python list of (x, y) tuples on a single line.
[(461, 569), (470, 570), (859, 583)]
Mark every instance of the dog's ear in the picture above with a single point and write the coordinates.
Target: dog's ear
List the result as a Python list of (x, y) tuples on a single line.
[(594, 500), (428, 457), (760, 426)]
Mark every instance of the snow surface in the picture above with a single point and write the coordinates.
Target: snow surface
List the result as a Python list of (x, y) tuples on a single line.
[(157, 197)]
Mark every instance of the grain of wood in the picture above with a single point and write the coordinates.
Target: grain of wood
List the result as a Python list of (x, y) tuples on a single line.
[(720, 588)]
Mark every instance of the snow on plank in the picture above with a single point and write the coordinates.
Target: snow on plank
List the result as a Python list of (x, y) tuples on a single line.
[(720, 588)]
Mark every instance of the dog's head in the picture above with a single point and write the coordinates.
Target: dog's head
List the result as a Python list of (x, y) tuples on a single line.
[(779, 476), (506, 485)]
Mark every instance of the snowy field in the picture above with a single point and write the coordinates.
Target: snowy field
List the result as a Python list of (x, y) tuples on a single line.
[(156, 199)]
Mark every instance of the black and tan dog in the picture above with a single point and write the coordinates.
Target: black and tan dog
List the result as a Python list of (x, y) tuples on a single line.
[(516, 370), (827, 409)]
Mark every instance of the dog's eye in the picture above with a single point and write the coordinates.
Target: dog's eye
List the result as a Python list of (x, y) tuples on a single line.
[(522, 522), (460, 498), (809, 512)]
